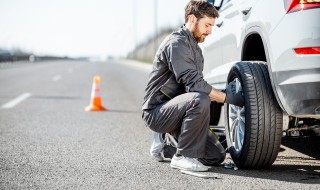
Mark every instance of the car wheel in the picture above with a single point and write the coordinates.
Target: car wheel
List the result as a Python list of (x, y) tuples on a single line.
[(254, 131)]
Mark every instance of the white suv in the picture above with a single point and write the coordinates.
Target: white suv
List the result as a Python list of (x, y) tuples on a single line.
[(271, 48)]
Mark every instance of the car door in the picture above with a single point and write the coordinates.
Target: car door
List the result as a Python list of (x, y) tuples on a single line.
[(211, 47), (230, 27), (212, 51), (230, 30)]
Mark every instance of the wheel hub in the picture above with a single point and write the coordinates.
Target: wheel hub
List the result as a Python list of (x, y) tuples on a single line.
[(237, 122)]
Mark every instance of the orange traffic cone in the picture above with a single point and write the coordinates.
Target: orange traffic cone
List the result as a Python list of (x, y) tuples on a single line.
[(96, 101)]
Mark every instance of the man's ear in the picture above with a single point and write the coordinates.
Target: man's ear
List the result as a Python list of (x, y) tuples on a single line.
[(192, 19)]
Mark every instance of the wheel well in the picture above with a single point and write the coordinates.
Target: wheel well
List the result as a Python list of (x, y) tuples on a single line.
[(253, 49)]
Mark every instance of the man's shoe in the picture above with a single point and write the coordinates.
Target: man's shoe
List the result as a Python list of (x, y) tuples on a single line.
[(188, 164), (157, 156)]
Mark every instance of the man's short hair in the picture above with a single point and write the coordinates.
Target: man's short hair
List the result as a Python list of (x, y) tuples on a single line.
[(200, 8)]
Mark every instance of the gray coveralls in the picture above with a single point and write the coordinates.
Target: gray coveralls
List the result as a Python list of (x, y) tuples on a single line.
[(176, 98)]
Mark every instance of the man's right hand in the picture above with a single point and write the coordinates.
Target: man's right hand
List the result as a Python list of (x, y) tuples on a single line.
[(233, 97)]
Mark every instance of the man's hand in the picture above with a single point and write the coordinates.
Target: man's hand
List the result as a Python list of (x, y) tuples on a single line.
[(234, 97), (217, 95)]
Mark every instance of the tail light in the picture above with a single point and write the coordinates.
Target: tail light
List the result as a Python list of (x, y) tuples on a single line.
[(307, 50), (299, 5)]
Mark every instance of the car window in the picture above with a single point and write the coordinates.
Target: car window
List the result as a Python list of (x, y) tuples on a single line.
[(225, 4)]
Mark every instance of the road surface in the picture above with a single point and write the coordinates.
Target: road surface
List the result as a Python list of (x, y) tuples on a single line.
[(48, 141)]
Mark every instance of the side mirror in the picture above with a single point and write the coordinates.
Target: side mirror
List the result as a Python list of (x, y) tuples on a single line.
[(216, 3)]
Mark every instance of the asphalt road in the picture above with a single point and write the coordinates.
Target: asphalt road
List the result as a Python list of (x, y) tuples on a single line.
[(48, 141)]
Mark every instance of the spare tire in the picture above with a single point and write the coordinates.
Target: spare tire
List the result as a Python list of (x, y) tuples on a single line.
[(254, 131)]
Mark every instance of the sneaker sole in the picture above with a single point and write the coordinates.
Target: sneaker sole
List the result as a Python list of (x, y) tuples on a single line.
[(157, 159), (188, 169)]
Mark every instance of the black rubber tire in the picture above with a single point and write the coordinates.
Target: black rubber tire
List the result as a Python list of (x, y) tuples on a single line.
[(215, 111), (263, 117)]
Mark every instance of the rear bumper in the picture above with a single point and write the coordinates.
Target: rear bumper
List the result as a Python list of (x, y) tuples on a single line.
[(299, 91), (296, 78)]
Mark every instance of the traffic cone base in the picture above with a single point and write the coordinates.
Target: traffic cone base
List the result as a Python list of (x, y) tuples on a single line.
[(96, 101), (95, 108)]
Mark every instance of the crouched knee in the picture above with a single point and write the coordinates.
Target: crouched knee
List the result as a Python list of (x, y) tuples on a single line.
[(203, 100)]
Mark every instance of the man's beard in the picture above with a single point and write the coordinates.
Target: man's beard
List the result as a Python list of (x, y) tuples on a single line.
[(200, 37)]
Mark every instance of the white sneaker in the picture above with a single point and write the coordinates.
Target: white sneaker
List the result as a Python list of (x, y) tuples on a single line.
[(188, 164), (157, 156), (157, 146)]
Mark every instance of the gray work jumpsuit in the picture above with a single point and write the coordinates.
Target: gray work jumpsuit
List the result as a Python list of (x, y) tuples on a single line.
[(176, 98)]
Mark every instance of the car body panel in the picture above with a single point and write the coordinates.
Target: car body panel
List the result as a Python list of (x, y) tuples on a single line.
[(295, 79)]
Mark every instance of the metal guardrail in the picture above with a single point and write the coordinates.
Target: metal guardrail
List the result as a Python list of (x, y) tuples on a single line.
[(28, 58), (13, 58)]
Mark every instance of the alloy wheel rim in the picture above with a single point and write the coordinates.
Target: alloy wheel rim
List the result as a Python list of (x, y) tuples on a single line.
[(236, 122)]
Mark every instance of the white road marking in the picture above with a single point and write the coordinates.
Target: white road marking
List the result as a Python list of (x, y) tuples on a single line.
[(16, 101), (56, 78)]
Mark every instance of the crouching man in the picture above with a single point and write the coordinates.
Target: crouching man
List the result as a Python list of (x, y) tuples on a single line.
[(177, 98)]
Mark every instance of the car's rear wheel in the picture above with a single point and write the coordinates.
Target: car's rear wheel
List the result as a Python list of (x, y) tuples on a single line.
[(254, 131)]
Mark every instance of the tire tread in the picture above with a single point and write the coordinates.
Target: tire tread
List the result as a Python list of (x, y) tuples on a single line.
[(263, 117)]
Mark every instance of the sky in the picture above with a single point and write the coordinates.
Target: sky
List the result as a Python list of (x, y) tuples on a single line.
[(78, 28)]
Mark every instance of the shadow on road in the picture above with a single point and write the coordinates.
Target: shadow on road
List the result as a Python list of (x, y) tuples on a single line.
[(307, 145), (296, 168), (287, 173), (123, 111)]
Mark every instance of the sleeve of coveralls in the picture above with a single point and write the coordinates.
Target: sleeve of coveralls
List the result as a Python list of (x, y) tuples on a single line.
[(182, 63)]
